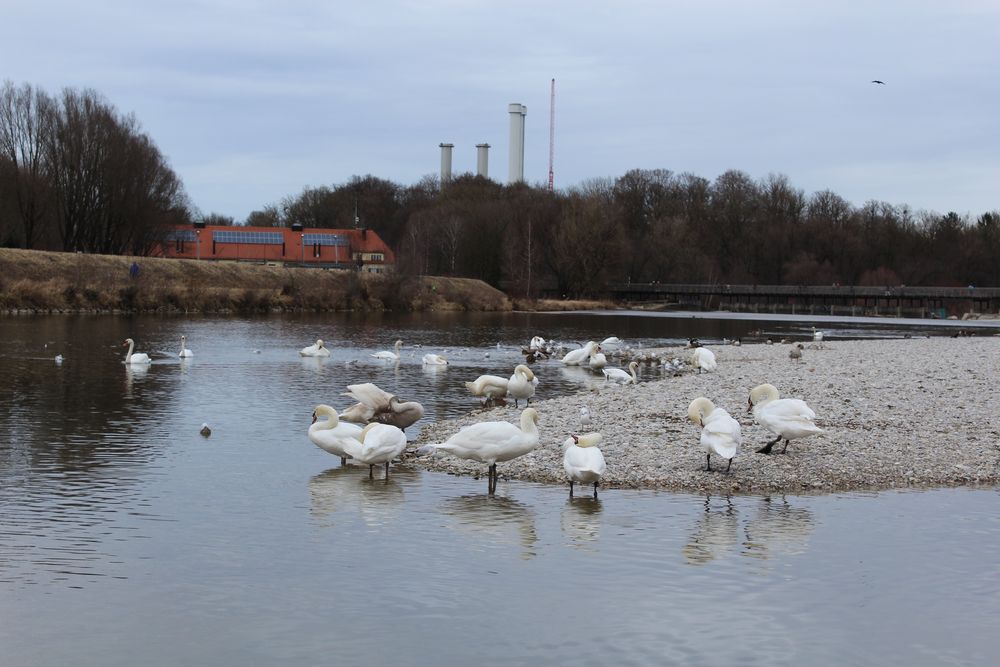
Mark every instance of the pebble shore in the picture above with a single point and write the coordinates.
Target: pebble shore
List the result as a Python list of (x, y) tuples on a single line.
[(896, 413)]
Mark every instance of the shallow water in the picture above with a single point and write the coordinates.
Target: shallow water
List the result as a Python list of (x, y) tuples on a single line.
[(127, 538)]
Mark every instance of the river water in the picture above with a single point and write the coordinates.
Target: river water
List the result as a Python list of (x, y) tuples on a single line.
[(128, 538)]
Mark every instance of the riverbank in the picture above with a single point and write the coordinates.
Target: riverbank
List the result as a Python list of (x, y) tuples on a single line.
[(34, 281), (896, 413)]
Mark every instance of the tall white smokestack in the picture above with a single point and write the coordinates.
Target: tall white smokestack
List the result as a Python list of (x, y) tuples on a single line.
[(446, 161), (483, 160), (517, 113)]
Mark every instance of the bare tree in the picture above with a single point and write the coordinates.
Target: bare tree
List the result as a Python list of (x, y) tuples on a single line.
[(26, 116)]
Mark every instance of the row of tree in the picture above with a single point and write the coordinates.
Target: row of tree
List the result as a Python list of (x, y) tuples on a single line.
[(653, 225), (77, 175)]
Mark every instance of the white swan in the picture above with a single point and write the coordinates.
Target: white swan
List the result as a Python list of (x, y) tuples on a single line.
[(434, 360), (184, 353), (618, 375), (577, 357), (331, 435), (720, 433), (520, 385), (491, 443), (703, 359), (136, 358), (377, 444), (385, 355), (597, 359), (315, 350), (789, 418), (818, 337), (611, 341), (489, 386), (537, 343), (583, 460)]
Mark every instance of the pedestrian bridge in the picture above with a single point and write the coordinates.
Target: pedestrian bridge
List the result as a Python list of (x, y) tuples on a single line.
[(898, 300)]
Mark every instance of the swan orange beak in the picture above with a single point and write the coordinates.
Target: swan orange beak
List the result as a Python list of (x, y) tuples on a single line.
[(576, 439), (314, 418)]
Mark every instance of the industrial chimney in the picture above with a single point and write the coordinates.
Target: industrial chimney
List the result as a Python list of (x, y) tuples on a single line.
[(446, 162), (483, 160), (517, 113)]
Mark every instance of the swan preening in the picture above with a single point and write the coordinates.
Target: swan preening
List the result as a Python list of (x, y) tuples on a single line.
[(618, 375), (577, 357), (385, 355), (788, 418), (375, 405), (134, 358), (184, 353), (521, 385), (331, 435), (431, 359), (720, 433), (317, 349), (377, 444), (597, 360), (703, 359), (491, 443), (490, 387), (583, 460)]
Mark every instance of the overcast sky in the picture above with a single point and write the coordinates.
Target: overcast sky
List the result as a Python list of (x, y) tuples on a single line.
[(251, 101)]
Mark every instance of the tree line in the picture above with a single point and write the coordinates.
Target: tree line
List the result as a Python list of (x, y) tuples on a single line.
[(653, 225), (77, 175)]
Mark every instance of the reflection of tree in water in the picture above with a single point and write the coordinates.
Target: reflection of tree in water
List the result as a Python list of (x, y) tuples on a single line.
[(503, 520), (347, 489), (580, 520), (777, 528), (716, 534)]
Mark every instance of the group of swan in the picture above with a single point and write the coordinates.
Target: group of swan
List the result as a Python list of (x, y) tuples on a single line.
[(375, 444), (787, 418), (520, 385), (134, 358)]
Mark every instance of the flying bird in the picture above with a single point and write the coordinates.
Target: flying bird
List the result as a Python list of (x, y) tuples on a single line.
[(881, 83)]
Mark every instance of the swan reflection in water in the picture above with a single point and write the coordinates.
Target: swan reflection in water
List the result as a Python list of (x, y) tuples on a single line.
[(716, 534), (134, 373), (503, 520), (777, 528), (314, 364), (347, 490), (580, 521), (582, 376)]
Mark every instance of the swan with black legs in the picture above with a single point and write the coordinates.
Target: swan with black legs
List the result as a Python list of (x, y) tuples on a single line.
[(788, 418), (720, 433), (583, 460), (377, 444), (332, 435), (491, 443), (520, 385)]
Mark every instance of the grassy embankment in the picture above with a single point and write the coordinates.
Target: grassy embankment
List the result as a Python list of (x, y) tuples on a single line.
[(38, 281)]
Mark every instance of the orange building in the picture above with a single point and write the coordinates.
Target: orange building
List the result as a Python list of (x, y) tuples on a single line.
[(360, 249)]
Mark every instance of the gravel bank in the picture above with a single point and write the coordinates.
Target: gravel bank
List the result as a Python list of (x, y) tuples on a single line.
[(897, 413)]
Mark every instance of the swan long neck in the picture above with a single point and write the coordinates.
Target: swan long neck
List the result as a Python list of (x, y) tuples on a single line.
[(763, 393), (333, 419), (529, 421), (631, 369), (699, 409), (131, 346)]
